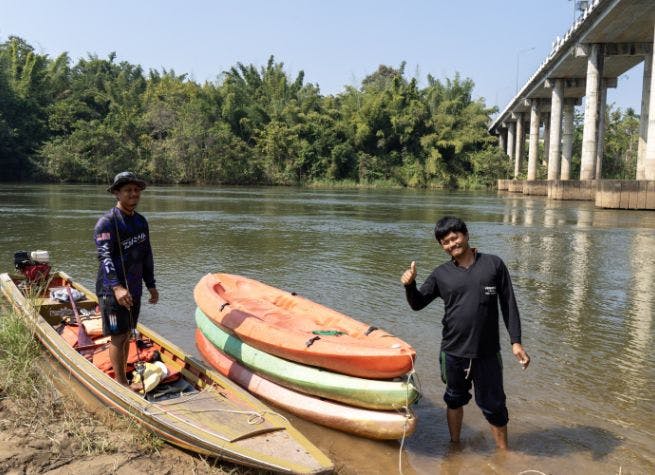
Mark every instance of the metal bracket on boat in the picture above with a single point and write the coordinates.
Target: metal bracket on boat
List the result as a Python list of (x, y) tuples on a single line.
[(370, 330), (311, 341), (224, 305)]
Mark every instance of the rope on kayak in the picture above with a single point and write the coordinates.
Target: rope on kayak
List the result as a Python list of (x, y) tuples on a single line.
[(411, 378)]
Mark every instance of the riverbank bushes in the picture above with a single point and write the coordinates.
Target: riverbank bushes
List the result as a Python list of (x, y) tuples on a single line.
[(83, 122)]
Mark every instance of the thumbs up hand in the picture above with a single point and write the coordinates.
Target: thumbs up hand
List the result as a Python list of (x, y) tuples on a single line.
[(409, 275)]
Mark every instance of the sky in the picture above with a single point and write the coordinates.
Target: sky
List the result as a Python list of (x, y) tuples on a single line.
[(335, 42)]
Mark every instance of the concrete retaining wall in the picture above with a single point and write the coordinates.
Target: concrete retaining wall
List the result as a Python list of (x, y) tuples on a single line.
[(515, 186), (626, 194), (503, 185), (581, 190), (536, 187)]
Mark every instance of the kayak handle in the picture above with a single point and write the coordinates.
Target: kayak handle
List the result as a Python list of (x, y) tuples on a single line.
[(311, 341), (370, 330)]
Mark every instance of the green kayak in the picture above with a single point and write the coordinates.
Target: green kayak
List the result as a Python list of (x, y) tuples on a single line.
[(360, 392)]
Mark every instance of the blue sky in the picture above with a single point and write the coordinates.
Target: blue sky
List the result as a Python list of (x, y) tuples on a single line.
[(335, 42)]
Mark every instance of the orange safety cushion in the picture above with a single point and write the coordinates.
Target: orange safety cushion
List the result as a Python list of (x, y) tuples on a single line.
[(93, 327), (69, 333), (101, 358)]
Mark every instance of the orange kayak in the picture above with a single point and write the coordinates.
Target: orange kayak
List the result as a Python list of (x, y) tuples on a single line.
[(292, 327)]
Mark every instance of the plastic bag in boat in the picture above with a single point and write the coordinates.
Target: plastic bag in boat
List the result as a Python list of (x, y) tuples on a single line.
[(60, 294)]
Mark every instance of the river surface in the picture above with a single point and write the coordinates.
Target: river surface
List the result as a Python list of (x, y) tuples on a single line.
[(584, 279)]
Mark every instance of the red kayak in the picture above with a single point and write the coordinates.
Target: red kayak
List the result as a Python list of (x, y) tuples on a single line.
[(292, 327)]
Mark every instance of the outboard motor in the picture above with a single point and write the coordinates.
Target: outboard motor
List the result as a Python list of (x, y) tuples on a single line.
[(35, 266)]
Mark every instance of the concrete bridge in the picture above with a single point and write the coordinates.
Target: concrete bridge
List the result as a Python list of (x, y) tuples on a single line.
[(609, 38)]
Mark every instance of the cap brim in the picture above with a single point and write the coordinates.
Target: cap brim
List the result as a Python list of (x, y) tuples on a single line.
[(120, 183)]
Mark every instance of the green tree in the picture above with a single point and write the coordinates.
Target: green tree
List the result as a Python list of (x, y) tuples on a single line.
[(24, 99), (621, 142)]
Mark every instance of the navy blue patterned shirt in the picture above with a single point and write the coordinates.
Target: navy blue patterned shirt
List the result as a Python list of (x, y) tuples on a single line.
[(137, 263)]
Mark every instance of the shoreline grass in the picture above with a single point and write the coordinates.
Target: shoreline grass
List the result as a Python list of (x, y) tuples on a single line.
[(40, 406), (34, 409)]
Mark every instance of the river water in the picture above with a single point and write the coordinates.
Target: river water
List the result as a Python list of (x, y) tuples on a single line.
[(583, 278)]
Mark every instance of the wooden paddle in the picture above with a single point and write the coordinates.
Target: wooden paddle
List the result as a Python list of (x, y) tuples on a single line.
[(83, 339)]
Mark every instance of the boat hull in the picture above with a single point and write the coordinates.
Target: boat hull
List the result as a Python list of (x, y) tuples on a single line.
[(272, 444)]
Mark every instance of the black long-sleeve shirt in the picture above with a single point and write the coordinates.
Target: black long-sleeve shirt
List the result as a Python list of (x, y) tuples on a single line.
[(471, 297)]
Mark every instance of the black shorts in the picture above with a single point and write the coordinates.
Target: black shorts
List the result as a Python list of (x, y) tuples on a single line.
[(117, 319), (485, 374)]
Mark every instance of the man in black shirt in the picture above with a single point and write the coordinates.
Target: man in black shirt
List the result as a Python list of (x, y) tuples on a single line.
[(471, 284)]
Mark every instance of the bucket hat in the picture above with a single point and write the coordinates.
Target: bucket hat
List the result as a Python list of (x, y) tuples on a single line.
[(124, 178)]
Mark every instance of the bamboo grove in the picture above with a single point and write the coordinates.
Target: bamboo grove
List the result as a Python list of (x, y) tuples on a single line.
[(83, 122)]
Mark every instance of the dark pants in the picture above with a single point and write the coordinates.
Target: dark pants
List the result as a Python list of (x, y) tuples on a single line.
[(485, 375), (117, 319)]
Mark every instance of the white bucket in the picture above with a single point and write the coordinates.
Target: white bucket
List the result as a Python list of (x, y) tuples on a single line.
[(40, 256)]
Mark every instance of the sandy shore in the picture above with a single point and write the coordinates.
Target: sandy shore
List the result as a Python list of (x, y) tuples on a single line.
[(59, 435)]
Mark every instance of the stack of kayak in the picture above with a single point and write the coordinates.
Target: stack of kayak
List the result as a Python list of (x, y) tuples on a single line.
[(305, 358)]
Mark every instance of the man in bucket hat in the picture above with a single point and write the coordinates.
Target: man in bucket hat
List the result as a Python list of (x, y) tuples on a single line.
[(122, 239)]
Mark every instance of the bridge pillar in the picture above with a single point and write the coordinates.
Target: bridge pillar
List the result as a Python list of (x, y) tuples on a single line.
[(520, 141), (546, 119), (502, 140), (643, 120), (649, 159), (555, 149), (600, 139), (590, 130), (533, 149), (567, 139), (511, 139)]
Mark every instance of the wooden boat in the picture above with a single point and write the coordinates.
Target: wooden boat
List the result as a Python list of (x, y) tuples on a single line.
[(292, 327), (351, 390), (354, 420), (212, 416)]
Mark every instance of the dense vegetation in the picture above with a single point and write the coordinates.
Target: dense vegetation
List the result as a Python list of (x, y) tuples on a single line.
[(87, 121)]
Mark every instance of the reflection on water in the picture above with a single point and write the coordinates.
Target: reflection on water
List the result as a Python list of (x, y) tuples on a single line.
[(583, 277)]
